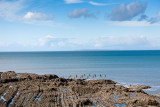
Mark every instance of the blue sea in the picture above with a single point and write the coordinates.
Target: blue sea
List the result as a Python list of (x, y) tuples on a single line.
[(125, 67)]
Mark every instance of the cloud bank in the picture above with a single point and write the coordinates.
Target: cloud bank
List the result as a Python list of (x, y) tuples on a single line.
[(50, 42), (106, 43), (123, 42)]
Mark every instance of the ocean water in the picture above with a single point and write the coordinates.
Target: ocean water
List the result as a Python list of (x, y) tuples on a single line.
[(126, 67)]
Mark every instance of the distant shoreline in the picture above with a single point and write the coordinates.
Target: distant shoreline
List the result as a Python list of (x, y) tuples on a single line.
[(78, 50)]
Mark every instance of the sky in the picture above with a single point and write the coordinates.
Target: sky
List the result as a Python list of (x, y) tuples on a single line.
[(66, 25)]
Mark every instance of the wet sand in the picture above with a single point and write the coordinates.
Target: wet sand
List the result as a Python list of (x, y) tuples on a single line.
[(33, 90)]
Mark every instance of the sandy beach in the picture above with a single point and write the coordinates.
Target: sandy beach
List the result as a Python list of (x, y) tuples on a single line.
[(29, 89)]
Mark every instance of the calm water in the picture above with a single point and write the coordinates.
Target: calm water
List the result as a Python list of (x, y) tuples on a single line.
[(126, 67)]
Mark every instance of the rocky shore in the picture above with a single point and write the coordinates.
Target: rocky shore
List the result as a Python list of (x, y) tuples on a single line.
[(33, 90)]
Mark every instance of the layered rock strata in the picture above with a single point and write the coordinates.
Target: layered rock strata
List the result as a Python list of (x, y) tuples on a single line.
[(33, 90)]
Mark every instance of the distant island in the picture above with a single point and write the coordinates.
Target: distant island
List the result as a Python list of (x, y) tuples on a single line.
[(29, 89)]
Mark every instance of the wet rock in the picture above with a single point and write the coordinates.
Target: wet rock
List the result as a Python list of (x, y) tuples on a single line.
[(29, 89), (83, 102), (139, 87)]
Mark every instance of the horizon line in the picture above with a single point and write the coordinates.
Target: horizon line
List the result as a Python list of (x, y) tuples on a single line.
[(84, 50)]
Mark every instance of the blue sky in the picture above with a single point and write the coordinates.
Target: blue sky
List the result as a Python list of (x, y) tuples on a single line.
[(60, 25)]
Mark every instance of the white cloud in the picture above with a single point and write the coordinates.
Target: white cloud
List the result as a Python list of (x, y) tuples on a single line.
[(44, 40), (9, 9), (73, 1), (131, 23), (144, 23), (77, 13), (53, 41), (29, 16), (127, 42), (4, 44), (97, 4), (100, 4), (90, 2), (127, 12)]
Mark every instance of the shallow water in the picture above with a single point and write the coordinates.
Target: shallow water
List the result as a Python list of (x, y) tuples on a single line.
[(120, 105), (126, 67)]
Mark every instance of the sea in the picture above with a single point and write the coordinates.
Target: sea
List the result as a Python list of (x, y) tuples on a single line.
[(141, 67)]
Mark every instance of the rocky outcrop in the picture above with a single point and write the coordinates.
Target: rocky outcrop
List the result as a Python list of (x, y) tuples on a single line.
[(29, 89)]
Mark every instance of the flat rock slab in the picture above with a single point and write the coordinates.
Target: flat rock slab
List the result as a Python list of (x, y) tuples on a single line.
[(29, 89)]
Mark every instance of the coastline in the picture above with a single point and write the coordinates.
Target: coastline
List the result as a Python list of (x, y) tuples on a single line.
[(126, 67), (29, 89)]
